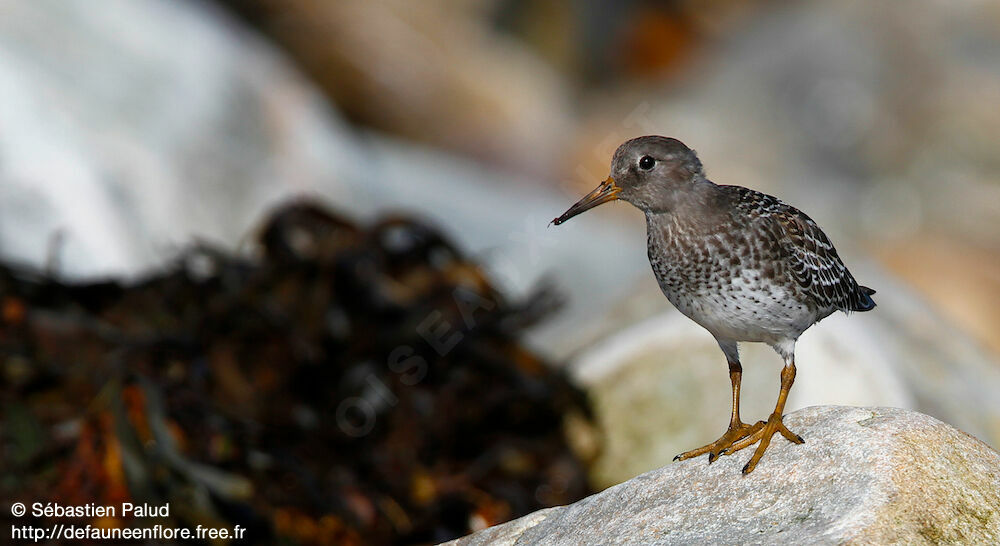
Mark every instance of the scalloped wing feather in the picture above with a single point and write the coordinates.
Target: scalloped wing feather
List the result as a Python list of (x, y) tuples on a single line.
[(811, 258)]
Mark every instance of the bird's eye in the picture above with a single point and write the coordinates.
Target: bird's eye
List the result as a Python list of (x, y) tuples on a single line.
[(646, 163)]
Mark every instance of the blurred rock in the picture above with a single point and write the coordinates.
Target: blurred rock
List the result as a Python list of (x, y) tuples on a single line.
[(131, 130), (864, 475), (434, 72), (605, 41), (961, 279)]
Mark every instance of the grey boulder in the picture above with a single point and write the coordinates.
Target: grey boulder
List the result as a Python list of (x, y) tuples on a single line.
[(864, 475)]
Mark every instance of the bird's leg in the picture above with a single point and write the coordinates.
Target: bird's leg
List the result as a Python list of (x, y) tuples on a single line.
[(773, 424), (737, 429), (735, 376)]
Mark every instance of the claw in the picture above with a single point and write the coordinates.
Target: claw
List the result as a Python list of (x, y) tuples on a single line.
[(737, 432), (762, 437)]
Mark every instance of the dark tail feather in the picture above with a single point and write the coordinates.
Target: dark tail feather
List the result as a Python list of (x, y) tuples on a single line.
[(864, 301)]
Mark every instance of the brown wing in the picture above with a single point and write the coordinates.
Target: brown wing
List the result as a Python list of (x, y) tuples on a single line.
[(810, 256)]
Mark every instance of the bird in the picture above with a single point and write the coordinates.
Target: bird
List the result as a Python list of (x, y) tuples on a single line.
[(742, 264)]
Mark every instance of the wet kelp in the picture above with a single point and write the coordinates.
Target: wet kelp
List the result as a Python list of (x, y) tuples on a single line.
[(342, 385)]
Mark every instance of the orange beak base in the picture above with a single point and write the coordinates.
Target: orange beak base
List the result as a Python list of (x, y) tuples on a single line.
[(607, 191)]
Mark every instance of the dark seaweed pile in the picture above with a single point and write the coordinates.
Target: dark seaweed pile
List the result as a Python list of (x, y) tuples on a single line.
[(347, 385)]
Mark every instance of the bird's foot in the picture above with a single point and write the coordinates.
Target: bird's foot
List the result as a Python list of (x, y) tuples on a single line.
[(737, 431), (763, 435)]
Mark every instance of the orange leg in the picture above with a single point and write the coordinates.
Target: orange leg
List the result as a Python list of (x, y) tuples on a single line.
[(737, 429), (767, 429)]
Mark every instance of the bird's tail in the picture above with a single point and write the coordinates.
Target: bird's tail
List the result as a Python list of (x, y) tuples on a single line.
[(863, 301)]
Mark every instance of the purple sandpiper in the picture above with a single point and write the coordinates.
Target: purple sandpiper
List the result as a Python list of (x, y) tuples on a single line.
[(742, 264)]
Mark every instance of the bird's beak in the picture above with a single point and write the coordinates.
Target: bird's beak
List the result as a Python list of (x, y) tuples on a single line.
[(607, 191)]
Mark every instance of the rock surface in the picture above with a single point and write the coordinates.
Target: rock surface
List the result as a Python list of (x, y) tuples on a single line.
[(864, 475)]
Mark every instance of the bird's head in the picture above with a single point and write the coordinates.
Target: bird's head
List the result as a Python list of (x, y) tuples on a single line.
[(647, 172)]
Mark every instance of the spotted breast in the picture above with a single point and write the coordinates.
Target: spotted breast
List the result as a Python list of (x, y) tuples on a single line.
[(756, 270)]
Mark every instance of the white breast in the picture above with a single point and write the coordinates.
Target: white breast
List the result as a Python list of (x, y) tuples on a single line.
[(746, 309)]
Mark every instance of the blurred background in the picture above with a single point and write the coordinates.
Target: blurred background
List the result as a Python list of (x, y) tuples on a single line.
[(221, 220)]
